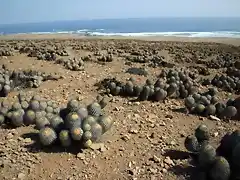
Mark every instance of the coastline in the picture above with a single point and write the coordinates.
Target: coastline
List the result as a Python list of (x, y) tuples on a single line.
[(224, 40)]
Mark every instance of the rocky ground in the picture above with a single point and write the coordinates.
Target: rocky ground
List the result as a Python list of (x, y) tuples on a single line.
[(147, 139)]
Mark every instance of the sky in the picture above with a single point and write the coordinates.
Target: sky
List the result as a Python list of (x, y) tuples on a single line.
[(25, 11)]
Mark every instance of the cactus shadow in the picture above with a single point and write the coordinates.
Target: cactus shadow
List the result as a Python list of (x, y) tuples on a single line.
[(37, 147), (177, 154), (180, 110), (188, 169)]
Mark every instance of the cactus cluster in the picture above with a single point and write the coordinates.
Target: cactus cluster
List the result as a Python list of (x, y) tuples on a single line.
[(226, 82), (207, 103), (75, 122), (10, 80), (173, 84), (221, 163), (72, 64)]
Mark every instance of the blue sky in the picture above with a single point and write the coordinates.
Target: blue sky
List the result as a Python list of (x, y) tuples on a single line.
[(23, 11)]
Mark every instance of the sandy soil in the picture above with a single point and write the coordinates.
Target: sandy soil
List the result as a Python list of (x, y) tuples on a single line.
[(147, 139)]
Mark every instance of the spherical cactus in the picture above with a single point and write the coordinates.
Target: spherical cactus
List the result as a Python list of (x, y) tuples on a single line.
[(229, 112), (87, 135), (204, 100), (189, 102), (236, 156), (116, 91), (220, 107), (49, 109), (76, 133), (89, 120), (42, 105), (112, 85), (6, 90), (16, 106), (36, 97), (214, 100), (4, 110), (34, 105), (2, 119), (17, 118), (40, 114), (56, 123), (42, 122), (72, 120), (106, 122), (24, 105), (82, 112), (160, 94), (210, 110), (172, 89), (47, 136), (96, 130), (202, 133), (207, 155), (144, 93), (191, 144), (230, 102), (73, 105), (87, 144), (129, 88), (86, 127), (220, 169), (94, 109), (65, 138), (212, 91), (22, 96), (199, 109), (29, 117), (196, 97), (137, 89), (49, 116)]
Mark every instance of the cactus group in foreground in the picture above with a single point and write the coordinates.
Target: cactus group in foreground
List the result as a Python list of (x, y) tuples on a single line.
[(221, 163), (75, 122)]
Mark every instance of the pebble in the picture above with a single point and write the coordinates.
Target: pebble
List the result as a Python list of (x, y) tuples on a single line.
[(27, 140), (21, 176), (215, 134), (81, 156), (168, 161), (214, 118), (133, 131)]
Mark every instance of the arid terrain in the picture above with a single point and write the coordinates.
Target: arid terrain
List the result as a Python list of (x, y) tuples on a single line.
[(147, 138)]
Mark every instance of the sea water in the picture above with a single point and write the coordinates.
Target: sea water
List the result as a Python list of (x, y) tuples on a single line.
[(183, 27)]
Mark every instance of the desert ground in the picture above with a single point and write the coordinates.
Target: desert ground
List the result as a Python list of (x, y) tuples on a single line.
[(147, 138)]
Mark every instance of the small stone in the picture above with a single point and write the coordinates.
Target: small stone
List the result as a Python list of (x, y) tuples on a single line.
[(9, 136), (215, 134), (117, 109), (214, 118), (164, 170), (27, 140), (81, 156), (156, 159), (133, 131), (98, 146), (137, 103), (21, 176), (125, 137), (168, 161)]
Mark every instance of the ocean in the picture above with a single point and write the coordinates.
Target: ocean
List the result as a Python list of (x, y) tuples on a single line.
[(184, 27)]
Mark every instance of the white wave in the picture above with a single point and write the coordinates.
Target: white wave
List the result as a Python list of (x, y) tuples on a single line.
[(100, 32), (232, 34)]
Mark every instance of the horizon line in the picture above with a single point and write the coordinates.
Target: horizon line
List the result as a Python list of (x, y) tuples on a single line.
[(105, 19)]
